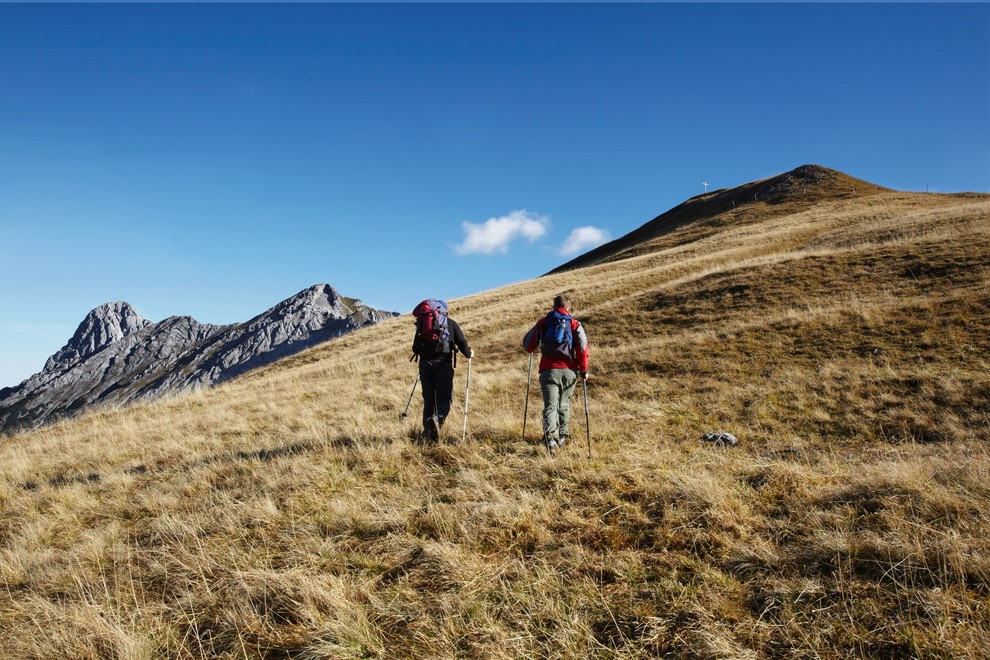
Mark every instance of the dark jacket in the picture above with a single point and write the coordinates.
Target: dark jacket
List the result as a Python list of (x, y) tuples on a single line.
[(457, 339)]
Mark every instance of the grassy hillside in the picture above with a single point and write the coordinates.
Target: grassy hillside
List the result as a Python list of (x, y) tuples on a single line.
[(289, 514)]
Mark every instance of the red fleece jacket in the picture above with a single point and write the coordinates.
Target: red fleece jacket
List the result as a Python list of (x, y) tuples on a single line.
[(578, 363)]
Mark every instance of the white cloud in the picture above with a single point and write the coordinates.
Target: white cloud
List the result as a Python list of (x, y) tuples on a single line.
[(584, 238), (495, 234)]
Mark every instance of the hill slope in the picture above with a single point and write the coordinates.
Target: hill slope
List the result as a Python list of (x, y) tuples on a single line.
[(288, 514), (793, 191)]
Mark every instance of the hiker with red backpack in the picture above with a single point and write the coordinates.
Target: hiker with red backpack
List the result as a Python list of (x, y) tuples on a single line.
[(438, 338), (564, 347)]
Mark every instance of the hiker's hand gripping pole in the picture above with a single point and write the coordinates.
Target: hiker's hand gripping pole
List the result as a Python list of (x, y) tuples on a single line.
[(529, 376), (413, 391)]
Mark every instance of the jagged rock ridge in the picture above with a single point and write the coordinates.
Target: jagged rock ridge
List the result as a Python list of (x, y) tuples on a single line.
[(117, 356)]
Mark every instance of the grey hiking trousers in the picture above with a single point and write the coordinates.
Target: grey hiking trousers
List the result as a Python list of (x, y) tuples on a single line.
[(557, 385)]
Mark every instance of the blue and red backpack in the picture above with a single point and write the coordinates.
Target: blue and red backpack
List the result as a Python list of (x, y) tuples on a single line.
[(557, 340)]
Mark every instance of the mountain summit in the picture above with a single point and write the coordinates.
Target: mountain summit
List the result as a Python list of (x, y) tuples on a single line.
[(802, 187), (108, 323), (117, 356)]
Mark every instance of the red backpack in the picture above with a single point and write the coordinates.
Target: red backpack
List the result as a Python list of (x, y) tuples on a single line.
[(432, 333)]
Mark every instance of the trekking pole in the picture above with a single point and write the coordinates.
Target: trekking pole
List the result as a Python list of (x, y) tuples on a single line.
[(529, 376), (467, 396), (415, 383), (587, 424)]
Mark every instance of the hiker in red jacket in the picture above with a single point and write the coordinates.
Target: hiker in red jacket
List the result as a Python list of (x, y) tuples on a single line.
[(564, 347)]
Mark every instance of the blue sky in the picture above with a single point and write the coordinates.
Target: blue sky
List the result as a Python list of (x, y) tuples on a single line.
[(212, 160)]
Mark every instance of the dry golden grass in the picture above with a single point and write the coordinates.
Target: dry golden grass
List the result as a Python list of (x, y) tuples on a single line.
[(290, 514)]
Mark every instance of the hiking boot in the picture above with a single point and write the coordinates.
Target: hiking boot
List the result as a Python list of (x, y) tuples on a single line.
[(561, 441), (433, 428), (551, 446)]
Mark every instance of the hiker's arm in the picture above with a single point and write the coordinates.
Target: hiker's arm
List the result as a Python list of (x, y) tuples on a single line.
[(532, 338), (458, 335), (581, 350)]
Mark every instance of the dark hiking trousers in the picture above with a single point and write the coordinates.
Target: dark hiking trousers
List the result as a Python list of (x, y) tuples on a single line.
[(437, 377)]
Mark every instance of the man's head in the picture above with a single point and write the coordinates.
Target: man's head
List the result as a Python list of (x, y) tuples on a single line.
[(562, 300)]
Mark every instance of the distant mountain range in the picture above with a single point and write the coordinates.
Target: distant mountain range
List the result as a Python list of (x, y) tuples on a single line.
[(117, 356)]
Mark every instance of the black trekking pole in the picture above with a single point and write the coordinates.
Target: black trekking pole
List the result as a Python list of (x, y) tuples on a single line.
[(467, 396), (415, 383), (587, 423), (529, 376)]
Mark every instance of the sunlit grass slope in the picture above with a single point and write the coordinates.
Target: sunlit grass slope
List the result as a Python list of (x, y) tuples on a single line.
[(289, 514)]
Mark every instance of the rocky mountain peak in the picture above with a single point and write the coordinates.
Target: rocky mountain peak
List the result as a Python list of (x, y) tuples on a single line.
[(318, 306), (318, 296), (117, 356), (103, 326)]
